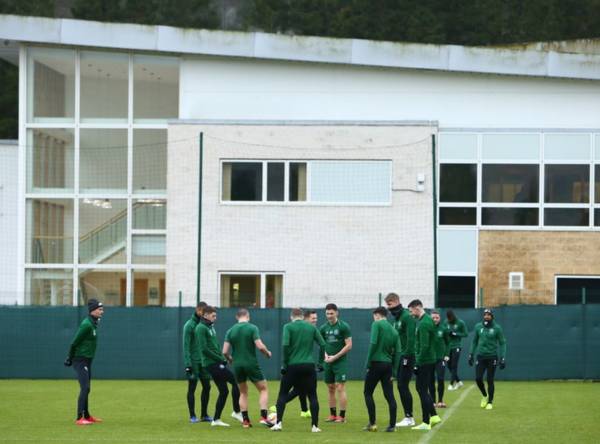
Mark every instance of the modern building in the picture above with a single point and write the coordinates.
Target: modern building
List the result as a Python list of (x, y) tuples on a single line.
[(156, 165)]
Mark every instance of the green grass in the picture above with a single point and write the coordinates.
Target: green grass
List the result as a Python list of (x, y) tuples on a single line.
[(41, 411)]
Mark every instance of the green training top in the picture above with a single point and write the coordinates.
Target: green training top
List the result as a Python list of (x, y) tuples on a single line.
[(241, 337), (206, 338), (84, 342), (460, 328), (441, 343), (405, 325), (335, 336), (191, 351), (489, 341), (384, 345), (298, 339), (424, 341)]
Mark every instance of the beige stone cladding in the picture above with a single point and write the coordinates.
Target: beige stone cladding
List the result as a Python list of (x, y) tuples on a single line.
[(328, 253), (540, 255)]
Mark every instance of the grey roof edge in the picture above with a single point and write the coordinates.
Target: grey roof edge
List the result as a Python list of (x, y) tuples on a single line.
[(528, 60), (217, 122)]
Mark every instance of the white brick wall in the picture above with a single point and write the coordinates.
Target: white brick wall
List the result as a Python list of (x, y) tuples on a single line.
[(8, 222), (345, 254)]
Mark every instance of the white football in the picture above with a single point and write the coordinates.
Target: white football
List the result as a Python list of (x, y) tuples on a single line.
[(272, 417)]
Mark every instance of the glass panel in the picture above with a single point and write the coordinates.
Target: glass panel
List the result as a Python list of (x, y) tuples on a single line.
[(597, 217), (274, 291), (242, 181), (567, 147), (104, 84), (51, 85), (155, 87), (297, 185), (457, 251), (49, 287), (510, 183), (150, 214), (597, 184), (49, 231), (240, 290), (275, 181), (103, 161), (102, 231), (458, 146), (509, 216), (108, 286), (149, 161), (350, 181), (50, 160), (456, 291), (148, 249), (458, 216), (458, 183), (566, 217), (567, 184), (149, 288), (510, 147), (570, 290)]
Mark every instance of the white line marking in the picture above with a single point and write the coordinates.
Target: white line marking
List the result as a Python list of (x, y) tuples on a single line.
[(428, 435)]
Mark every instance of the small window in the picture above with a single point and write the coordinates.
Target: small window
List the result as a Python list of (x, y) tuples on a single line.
[(458, 183), (458, 216), (567, 184), (242, 181), (297, 187), (510, 183), (244, 290), (456, 291), (509, 216), (566, 217), (515, 280), (275, 181)]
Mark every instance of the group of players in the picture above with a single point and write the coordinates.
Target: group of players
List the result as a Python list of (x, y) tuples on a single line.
[(415, 342)]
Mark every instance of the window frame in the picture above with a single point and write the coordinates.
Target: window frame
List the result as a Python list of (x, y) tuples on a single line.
[(263, 283)]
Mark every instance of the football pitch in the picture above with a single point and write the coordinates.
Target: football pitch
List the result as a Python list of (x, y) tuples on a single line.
[(42, 411)]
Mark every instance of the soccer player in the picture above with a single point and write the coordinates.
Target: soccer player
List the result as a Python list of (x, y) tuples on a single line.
[(382, 364), (213, 360), (457, 330), (442, 350), (81, 355), (298, 369), (338, 342), (425, 363), (489, 344), (241, 342), (193, 369), (405, 325)]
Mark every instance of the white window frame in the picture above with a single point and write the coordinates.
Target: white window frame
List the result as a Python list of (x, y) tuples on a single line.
[(263, 283), (569, 276)]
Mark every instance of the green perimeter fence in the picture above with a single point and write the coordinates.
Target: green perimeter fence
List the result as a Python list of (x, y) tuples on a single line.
[(544, 342)]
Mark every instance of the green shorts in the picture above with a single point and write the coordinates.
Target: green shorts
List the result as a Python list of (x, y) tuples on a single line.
[(200, 372), (244, 372), (335, 372)]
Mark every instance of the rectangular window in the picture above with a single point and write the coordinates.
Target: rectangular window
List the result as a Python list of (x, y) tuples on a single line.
[(275, 181), (108, 286), (456, 291), (49, 231), (150, 214), (149, 288), (571, 290), (148, 249), (566, 217), (49, 286), (297, 183), (567, 184), (458, 183), (155, 88), (149, 161), (242, 181), (103, 161), (458, 216), (509, 216), (597, 178), (102, 231), (504, 183), (246, 290), (50, 163)]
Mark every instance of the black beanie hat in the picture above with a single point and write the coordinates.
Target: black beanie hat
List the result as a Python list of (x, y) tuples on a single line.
[(94, 304)]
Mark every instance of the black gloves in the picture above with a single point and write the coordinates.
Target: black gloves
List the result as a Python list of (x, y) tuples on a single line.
[(319, 368), (188, 370), (283, 370), (416, 370), (502, 364), (470, 360), (68, 362)]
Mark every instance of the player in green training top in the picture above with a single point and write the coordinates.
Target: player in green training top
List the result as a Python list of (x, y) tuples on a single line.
[(193, 369), (81, 355), (442, 352), (457, 330), (489, 345), (425, 362), (241, 342), (338, 342)]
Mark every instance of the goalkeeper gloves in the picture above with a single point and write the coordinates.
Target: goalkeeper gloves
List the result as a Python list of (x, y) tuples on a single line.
[(470, 360), (502, 364), (68, 362)]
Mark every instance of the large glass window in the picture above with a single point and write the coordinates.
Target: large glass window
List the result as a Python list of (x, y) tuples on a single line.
[(51, 85), (104, 86), (103, 161), (49, 286), (567, 217), (149, 161), (571, 290), (155, 88), (242, 181), (50, 162), (458, 183), (150, 214), (49, 238), (510, 183), (148, 249), (456, 291), (509, 216), (148, 288), (567, 184), (108, 286), (102, 231), (245, 290)]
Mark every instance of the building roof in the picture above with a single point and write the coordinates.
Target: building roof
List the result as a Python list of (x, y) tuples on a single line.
[(533, 59)]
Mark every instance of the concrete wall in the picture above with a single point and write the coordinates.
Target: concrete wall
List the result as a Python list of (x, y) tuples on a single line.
[(347, 254), (540, 256), (8, 221)]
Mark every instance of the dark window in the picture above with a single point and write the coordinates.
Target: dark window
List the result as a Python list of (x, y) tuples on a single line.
[(275, 181), (458, 183), (597, 195), (510, 183), (509, 216), (246, 181), (566, 217), (570, 290), (297, 186), (458, 216), (456, 291), (597, 217), (567, 184)]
